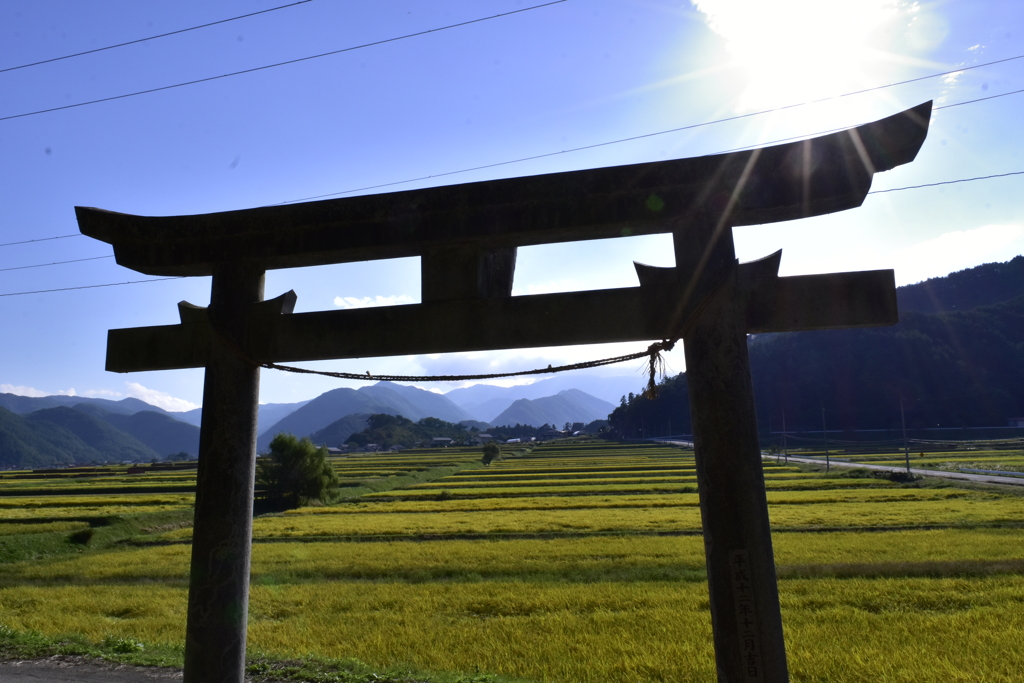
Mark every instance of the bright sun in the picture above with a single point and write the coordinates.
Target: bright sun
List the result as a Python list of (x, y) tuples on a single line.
[(796, 50)]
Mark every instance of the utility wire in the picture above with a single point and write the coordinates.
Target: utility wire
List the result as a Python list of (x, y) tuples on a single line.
[(474, 21), (111, 284), (42, 239), (56, 263), (894, 189), (807, 136), (979, 99), (655, 134), (948, 182), (637, 137), (290, 61), (161, 35)]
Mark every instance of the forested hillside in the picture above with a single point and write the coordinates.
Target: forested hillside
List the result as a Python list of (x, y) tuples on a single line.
[(960, 367)]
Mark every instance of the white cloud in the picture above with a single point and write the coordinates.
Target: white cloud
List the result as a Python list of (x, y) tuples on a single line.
[(953, 251), (951, 79), (135, 390), (20, 390), (369, 301), (159, 398), (552, 286), (102, 393)]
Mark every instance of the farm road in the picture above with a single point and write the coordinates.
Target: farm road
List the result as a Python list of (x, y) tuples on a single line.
[(80, 670), (981, 478)]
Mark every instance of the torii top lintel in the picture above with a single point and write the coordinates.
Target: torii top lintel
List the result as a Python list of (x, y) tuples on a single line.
[(782, 182)]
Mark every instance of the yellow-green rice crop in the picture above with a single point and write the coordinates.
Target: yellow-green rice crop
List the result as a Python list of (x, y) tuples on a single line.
[(889, 630), (606, 591), (533, 559)]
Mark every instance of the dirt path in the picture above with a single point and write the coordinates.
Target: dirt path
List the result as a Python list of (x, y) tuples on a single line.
[(81, 670)]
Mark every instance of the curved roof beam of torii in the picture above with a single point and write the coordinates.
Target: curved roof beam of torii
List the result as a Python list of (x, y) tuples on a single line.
[(765, 185)]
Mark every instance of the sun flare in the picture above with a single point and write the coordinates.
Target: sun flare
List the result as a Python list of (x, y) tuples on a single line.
[(792, 51)]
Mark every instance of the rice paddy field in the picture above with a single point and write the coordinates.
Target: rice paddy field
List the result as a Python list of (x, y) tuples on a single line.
[(571, 562)]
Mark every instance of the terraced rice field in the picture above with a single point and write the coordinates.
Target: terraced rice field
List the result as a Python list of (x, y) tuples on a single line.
[(573, 562)]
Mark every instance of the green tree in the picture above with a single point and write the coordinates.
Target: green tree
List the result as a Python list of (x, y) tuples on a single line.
[(295, 472), (491, 452)]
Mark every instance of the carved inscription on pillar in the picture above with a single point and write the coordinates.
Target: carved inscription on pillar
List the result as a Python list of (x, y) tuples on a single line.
[(746, 617)]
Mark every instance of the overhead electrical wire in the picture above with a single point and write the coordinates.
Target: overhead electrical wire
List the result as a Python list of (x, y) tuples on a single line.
[(64, 289), (638, 137), (285, 63), (399, 182), (109, 284), (57, 263), (648, 135), (947, 182), (160, 35), (42, 239), (466, 23), (806, 136)]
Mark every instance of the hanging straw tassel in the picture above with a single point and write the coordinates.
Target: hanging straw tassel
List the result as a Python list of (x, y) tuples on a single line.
[(656, 366)]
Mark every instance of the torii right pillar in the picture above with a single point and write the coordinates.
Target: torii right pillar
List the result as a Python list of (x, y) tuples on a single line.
[(742, 586)]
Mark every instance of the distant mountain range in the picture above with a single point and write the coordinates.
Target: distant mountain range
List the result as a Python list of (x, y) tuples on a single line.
[(27, 404), (88, 433), (335, 415), (568, 405), (47, 430), (486, 402), (383, 397), (269, 413)]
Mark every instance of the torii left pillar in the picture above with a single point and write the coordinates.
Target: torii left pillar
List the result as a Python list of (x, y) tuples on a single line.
[(218, 599)]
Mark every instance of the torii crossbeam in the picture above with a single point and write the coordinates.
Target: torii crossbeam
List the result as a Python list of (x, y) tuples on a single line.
[(466, 236)]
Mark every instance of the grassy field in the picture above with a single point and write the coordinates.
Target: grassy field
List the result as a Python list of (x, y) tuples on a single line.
[(570, 563)]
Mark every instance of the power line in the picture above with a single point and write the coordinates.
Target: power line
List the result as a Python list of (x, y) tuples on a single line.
[(56, 263), (290, 61), (637, 137), (42, 239), (980, 99), (650, 135), (894, 189), (948, 182), (111, 284), (161, 35)]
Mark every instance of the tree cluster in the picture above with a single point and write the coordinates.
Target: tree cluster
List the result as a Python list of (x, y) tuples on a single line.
[(637, 417), (394, 430), (295, 473), (950, 369), (491, 452)]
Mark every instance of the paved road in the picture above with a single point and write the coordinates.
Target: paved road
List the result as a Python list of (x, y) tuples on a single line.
[(79, 670), (981, 478)]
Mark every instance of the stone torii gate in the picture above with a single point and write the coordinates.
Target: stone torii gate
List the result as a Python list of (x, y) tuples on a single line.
[(466, 236)]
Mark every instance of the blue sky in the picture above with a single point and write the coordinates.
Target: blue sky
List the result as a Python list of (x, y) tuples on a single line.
[(572, 74)]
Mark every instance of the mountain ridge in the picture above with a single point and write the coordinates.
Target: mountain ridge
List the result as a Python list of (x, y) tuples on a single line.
[(568, 405), (956, 368), (381, 398)]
